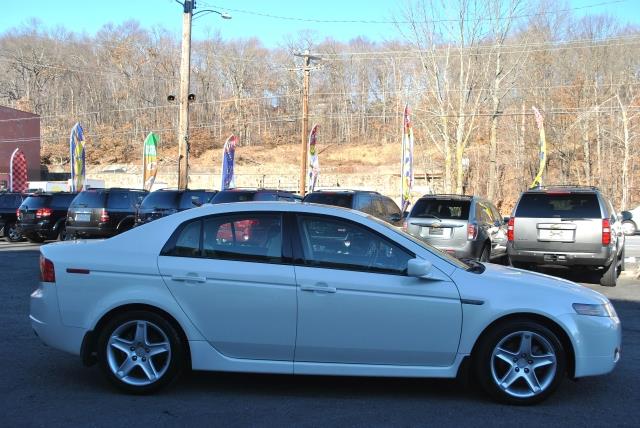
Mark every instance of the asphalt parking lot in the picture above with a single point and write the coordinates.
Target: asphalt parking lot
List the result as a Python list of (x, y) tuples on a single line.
[(41, 386)]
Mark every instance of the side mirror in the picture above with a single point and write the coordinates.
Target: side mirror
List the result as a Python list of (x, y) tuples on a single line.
[(419, 268), (626, 215)]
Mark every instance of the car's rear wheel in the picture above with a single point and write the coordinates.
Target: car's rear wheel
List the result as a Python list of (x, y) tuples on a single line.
[(140, 352), (520, 362), (610, 276), (629, 227), (12, 233), (485, 255)]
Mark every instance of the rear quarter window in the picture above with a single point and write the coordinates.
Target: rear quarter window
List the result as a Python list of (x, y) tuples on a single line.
[(344, 200), (545, 205), (88, 199)]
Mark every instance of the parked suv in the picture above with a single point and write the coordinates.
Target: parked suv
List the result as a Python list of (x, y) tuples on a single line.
[(465, 226), (9, 203), (103, 212), (372, 203), (164, 202), (42, 216), (247, 195), (569, 226)]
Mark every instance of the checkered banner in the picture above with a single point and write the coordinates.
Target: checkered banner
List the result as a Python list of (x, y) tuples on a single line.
[(18, 172)]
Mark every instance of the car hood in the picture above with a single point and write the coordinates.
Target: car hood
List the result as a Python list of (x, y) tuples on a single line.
[(507, 286)]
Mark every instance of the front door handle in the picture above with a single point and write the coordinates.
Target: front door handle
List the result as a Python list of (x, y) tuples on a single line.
[(188, 278), (320, 287)]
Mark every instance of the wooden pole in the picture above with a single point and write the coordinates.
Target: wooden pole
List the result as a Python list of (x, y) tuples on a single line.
[(305, 125), (183, 121)]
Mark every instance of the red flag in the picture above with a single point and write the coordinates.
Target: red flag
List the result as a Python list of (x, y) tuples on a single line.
[(18, 172)]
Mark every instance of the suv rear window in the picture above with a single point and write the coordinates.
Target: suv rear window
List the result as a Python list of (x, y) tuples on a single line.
[(160, 200), (41, 201), (545, 205), (449, 209), (88, 199), (344, 200), (224, 197)]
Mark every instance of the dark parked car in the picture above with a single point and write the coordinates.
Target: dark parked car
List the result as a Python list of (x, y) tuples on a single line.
[(164, 202), (247, 195), (103, 212), (462, 225), (42, 216), (372, 203), (9, 203)]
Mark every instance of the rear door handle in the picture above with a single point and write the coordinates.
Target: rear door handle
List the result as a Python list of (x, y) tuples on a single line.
[(188, 278), (320, 287)]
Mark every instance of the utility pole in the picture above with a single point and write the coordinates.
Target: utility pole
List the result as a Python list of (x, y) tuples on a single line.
[(304, 143), (185, 74)]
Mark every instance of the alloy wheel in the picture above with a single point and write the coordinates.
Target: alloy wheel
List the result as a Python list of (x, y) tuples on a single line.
[(138, 353), (13, 234), (523, 364)]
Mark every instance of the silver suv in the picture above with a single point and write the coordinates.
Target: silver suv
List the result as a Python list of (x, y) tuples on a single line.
[(569, 226), (464, 226)]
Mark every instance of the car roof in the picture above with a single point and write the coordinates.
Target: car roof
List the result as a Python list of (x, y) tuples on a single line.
[(449, 196), (338, 190), (563, 188)]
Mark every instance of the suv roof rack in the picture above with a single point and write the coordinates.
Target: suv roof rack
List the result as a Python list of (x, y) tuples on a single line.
[(563, 186), (447, 194), (345, 190)]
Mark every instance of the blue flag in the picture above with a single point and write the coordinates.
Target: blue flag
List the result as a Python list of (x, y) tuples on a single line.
[(228, 156), (76, 146)]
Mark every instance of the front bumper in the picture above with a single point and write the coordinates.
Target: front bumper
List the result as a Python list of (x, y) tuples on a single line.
[(561, 258), (47, 323), (597, 343)]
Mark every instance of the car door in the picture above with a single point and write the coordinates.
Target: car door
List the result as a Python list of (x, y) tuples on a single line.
[(357, 305), (229, 275)]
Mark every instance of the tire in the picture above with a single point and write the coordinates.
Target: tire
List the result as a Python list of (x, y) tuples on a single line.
[(485, 254), (629, 227), (610, 276), (123, 344), (533, 372), (62, 235), (11, 232)]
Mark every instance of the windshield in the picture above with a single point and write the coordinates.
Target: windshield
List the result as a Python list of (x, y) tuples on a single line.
[(344, 200), (160, 200), (449, 209), (545, 205)]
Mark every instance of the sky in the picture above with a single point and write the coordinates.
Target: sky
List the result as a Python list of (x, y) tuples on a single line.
[(89, 15)]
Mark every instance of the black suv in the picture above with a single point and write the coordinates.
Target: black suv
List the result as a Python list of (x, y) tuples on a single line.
[(164, 202), (42, 216), (372, 203), (247, 195), (9, 203), (103, 212)]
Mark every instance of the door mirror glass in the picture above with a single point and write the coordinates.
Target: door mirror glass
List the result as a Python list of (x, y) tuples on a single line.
[(419, 268)]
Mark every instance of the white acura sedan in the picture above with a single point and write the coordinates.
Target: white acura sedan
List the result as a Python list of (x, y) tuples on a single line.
[(270, 287)]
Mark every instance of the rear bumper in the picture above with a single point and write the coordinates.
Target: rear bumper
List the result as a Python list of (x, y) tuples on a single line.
[(562, 258), (43, 228), (470, 249), (99, 231), (47, 323)]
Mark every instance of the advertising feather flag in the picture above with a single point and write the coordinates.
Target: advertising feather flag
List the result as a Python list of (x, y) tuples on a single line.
[(149, 160), (537, 181), (76, 146), (18, 172), (228, 157), (406, 173), (314, 163)]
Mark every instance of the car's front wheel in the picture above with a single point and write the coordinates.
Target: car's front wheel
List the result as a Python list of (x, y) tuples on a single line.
[(140, 352), (520, 362)]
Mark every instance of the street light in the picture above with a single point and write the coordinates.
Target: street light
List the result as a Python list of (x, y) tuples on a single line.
[(185, 97)]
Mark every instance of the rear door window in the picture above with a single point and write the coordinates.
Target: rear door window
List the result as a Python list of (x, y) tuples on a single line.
[(119, 201), (441, 209), (570, 205)]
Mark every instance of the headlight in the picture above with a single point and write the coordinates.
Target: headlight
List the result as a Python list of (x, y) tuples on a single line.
[(602, 310)]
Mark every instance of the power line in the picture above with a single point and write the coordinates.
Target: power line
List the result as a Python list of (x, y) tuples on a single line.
[(434, 21)]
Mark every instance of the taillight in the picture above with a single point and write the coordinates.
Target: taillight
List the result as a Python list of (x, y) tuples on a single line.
[(18, 213), (510, 227), (606, 232), (472, 232), (43, 212), (47, 271), (405, 226), (104, 216)]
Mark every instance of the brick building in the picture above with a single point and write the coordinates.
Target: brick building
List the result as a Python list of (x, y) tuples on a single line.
[(19, 129)]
